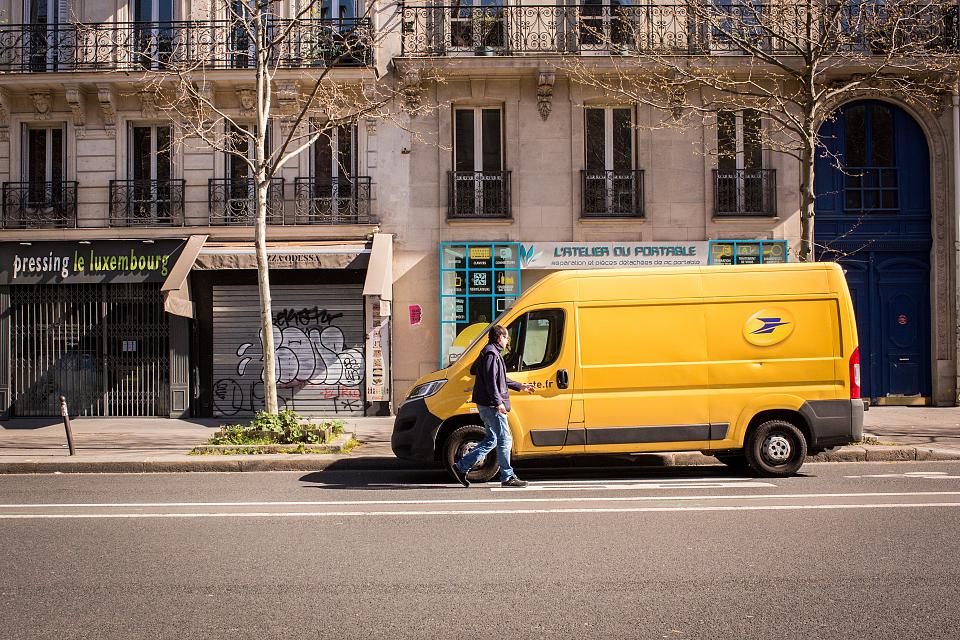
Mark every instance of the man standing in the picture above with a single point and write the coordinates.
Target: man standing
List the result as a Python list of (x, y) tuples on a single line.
[(492, 396)]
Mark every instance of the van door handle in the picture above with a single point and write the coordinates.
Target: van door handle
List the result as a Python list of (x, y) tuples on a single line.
[(563, 380)]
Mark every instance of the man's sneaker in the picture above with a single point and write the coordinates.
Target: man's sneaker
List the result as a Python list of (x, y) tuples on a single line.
[(514, 481), (461, 476)]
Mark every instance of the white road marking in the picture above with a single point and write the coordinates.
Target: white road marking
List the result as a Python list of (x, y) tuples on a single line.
[(926, 475), (341, 514), (353, 503), (603, 486)]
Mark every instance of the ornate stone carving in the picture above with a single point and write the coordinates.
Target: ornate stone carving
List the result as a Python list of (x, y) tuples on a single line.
[(148, 103), (108, 108), (411, 90), (78, 107), (545, 81), (248, 100), (41, 104), (371, 126)]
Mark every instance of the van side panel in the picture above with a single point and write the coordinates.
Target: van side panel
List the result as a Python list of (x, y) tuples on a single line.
[(643, 376), (770, 353)]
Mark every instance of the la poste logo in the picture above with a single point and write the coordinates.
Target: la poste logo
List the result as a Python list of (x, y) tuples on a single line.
[(768, 327)]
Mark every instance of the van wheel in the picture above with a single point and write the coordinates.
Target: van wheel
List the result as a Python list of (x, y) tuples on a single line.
[(776, 448), (460, 443)]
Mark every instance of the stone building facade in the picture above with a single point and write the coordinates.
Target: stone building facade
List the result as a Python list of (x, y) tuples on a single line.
[(396, 239)]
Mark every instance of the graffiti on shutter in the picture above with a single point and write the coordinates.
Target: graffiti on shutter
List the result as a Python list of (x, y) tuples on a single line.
[(318, 340)]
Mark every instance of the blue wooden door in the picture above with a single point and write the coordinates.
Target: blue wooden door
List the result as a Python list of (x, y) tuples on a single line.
[(873, 217)]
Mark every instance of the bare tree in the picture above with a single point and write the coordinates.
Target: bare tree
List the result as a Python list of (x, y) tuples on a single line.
[(791, 61), (297, 90)]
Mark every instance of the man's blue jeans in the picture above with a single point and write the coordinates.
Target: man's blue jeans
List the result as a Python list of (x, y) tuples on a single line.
[(498, 435)]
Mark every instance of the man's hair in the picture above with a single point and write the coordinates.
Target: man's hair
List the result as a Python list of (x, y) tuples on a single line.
[(493, 335)]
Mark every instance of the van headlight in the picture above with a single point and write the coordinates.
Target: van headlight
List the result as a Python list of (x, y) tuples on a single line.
[(426, 389)]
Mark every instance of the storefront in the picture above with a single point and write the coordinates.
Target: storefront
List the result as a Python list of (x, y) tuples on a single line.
[(330, 307), (171, 327), (86, 320), (479, 280)]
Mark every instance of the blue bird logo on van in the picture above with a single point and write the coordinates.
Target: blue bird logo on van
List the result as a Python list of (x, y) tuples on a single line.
[(769, 326)]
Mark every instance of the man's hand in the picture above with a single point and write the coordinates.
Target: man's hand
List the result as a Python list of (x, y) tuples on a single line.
[(502, 409), (529, 388)]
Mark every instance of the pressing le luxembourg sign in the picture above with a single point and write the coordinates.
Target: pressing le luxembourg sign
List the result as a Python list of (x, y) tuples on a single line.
[(611, 255), (88, 262)]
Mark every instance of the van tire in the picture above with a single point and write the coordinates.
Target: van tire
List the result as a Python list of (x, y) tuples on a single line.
[(776, 448), (460, 443)]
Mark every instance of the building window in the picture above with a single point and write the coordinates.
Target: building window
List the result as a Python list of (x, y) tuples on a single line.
[(335, 154), (479, 186), (44, 161), (44, 17), (742, 186), (337, 10), (150, 196), (153, 32), (611, 185), (871, 179)]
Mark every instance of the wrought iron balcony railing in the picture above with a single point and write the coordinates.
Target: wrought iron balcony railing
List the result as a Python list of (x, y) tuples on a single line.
[(146, 203), (675, 29), (38, 205), (234, 202), (745, 192), (478, 194), (135, 46), (332, 201), (612, 194)]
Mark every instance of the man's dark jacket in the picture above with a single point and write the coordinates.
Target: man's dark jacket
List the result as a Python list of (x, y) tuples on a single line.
[(490, 387)]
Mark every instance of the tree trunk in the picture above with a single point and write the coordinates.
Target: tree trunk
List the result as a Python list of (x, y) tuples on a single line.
[(807, 199), (270, 403)]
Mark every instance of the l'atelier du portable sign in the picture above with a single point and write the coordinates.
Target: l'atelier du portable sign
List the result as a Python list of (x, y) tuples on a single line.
[(87, 262)]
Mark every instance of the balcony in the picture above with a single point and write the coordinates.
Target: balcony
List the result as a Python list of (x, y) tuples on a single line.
[(478, 194), (745, 192), (332, 201), (39, 205), (673, 29), (234, 202), (138, 46), (156, 203), (611, 194)]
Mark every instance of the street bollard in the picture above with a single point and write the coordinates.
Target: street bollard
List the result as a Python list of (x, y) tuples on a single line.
[(66, 423)]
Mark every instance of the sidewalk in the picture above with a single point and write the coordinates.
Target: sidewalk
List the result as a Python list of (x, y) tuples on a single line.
[(137, 445)]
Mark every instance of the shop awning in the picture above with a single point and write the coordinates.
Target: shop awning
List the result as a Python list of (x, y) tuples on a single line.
[(379, 280), (285, 255), (176, 288)]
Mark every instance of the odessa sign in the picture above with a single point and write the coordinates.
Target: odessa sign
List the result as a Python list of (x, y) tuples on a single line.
[(611, 255), (88, 262)]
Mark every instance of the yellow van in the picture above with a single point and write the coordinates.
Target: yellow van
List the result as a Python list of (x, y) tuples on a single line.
[(756, 365)]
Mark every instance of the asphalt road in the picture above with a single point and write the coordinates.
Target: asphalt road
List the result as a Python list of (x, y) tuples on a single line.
[(844, 551)]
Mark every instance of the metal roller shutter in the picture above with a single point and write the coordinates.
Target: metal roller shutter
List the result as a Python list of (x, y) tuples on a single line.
[(319, 339)]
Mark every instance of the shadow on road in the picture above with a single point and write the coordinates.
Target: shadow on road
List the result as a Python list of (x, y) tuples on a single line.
[(381, 473)]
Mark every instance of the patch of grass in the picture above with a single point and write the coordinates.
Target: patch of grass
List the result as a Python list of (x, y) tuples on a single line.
[(350, 445), (285, 427)]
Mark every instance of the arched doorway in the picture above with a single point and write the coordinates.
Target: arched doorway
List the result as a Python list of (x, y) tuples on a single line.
[(873, 217)]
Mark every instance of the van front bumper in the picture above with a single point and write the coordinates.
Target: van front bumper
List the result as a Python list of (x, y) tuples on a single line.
[(833, 423), (415, 432)]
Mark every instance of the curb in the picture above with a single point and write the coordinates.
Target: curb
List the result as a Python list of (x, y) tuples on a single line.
[(321, 462)]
